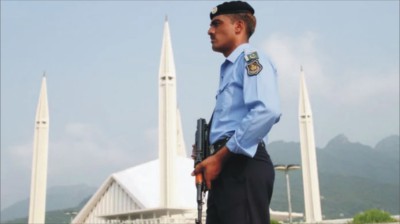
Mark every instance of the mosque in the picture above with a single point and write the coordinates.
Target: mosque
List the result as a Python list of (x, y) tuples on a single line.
[(159, 191), (162, 191)]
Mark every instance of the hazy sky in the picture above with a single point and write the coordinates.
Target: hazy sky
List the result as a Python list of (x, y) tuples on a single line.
[(101, 59)]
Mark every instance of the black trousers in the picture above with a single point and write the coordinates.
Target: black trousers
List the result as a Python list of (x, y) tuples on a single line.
[(242, 192)]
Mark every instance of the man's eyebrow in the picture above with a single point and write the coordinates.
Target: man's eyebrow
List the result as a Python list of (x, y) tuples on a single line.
[(215, 22)]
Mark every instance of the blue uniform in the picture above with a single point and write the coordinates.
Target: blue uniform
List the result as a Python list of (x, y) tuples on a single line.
[(247, 101)]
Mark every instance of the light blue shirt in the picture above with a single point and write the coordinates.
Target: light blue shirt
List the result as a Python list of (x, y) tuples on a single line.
[(247, 104)]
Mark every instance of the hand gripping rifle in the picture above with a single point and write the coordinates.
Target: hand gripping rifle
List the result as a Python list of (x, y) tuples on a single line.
[(201, 152)]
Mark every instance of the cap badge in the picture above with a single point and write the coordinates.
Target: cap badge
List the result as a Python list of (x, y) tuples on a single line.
[(214, 10)]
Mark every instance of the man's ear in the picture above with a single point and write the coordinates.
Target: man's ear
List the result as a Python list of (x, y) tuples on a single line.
[(239, 26)]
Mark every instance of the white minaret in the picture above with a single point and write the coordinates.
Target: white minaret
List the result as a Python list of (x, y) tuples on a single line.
[(167, 118), (37, 206), (181, 150), (312, 201)]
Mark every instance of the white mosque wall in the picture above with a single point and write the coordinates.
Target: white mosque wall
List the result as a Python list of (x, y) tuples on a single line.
[(111, 198)]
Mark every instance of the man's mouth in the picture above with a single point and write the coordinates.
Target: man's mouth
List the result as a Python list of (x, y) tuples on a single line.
[(212, 39)]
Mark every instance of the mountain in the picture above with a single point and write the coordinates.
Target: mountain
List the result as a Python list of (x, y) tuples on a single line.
[(389, 145), (346, 158), (58, 197), (353, 177), (54, 217)]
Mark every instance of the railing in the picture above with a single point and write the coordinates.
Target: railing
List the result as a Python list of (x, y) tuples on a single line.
[(156, 221)]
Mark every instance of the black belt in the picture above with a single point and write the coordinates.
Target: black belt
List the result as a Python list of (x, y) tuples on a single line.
[(221, 143), (218, 145)]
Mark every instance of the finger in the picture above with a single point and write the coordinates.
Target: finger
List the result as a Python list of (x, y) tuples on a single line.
[(199, 178), (198, 169)]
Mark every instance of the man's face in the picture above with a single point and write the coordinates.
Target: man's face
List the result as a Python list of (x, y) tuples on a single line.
[(222, 34)]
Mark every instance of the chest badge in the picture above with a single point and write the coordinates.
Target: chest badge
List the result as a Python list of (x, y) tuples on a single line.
[(253, 67)]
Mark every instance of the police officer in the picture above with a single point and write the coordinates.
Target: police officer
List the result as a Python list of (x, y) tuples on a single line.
[(239, 174)]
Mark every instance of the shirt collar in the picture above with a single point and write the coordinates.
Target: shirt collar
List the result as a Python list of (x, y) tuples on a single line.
[(235, 53)]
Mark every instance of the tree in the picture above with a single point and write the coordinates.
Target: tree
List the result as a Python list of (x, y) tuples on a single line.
[(274, 221), (373, 216)]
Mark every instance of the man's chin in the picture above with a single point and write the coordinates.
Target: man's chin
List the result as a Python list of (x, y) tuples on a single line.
[(216, 49)]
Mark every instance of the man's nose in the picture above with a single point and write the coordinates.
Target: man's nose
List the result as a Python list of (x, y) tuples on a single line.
[(210, 31)]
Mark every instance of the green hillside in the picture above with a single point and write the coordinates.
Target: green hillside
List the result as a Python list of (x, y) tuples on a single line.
[(353, 177)]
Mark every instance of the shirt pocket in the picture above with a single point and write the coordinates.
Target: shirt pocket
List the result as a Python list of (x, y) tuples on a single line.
[(221, 89), (223, 97)]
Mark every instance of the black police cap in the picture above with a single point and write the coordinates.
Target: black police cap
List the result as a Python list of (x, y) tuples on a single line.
[(232, 7)]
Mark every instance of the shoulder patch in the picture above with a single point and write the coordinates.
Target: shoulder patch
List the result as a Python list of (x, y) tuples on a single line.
[(253, 67), (251, 56)]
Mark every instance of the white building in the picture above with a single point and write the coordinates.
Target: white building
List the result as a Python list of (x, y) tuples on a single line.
[(134, 194), (159, 191)]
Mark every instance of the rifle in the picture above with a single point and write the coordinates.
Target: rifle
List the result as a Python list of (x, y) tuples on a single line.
[(201, 152)]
